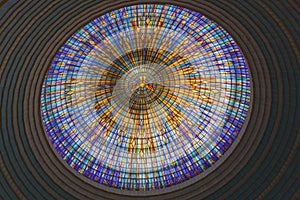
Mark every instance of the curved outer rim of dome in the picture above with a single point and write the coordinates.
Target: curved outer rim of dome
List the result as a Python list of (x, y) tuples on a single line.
[(262, 165)]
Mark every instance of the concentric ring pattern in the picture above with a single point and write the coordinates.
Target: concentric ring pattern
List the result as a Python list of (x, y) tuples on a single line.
[(145, 97), (261, 163)]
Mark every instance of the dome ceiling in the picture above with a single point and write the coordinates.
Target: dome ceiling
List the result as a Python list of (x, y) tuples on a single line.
[(61, 133)]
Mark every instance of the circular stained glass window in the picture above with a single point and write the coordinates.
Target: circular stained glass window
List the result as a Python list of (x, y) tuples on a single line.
[(145, 97)]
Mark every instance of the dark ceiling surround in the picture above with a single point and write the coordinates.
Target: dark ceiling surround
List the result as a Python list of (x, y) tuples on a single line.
[(262, 164)]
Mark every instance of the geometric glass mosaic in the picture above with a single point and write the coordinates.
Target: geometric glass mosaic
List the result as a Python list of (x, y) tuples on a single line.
[(145, 97)]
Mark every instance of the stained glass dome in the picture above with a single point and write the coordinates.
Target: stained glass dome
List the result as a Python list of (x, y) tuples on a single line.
[(145, 97)]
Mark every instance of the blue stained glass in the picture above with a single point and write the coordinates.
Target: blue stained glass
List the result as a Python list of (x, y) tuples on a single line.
[(145, 97)]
